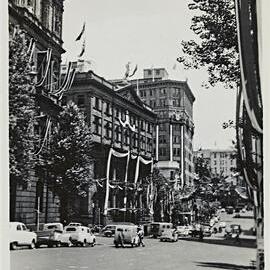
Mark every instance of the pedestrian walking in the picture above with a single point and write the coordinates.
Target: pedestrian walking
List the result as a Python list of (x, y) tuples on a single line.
[(140, 234)]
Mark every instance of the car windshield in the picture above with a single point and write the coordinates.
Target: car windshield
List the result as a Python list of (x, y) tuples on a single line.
[(51, 227)]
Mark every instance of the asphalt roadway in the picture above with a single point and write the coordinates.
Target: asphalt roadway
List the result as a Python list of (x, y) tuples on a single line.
[(184, 254)]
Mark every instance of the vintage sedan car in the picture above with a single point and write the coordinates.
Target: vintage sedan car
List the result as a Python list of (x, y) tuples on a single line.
[(169, 235), (109, 230), (19, 235), (207, 231), (183, 231), (77, 235), (126, 234), (50, 235)]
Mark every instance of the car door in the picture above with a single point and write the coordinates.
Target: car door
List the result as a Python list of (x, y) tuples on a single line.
[(26, 235), (19, 234)]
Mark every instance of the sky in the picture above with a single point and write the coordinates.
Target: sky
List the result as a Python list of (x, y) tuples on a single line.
[(147, 33)]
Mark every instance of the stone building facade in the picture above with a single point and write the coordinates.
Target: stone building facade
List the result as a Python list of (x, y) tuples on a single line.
[(121, 124), (173, 102), (221, 162), (41, 21)]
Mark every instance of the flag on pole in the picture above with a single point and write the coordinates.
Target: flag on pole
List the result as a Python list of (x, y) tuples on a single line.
[(127, 70), (83, 49), (81, 33), (134, 71)]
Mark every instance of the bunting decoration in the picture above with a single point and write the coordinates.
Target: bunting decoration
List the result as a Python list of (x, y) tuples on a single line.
[(81, 33), (127, 122), (48, 125), (48, 62)]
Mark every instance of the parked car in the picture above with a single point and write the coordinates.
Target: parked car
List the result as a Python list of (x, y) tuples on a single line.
[(183, 231), (109, 230), (222, 210), (229, 210), (74, 224), (207, 231), (77, 235), (50, 235), (126, 234), (156, 228), (19, 235), (169, 235)]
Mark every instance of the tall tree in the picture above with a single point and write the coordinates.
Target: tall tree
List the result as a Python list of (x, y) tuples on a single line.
[(215, 47), (22, 109), (68, 158)]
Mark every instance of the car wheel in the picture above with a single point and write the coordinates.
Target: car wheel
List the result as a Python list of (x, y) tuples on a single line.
[(83, 244), (50, 245), (33, 245), (58, 244), (13, 246), (94, 243)]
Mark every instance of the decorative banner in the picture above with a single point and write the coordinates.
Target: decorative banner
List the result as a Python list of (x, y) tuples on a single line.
[(48, 62), (116, 154)]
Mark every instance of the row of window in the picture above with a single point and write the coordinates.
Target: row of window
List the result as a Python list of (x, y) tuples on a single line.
[(126, 136), (176, 92)]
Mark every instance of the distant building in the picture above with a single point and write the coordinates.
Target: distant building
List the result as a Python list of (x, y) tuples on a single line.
[(172, 101), (42, 23), (119, 122), (221, 162), (81, 66)]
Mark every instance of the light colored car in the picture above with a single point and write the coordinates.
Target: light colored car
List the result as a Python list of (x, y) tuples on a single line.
[(126, 234), (183, 231), (74, 224), (207, 231), (19, 235), (169, 235), (222, 210), (77, 235)]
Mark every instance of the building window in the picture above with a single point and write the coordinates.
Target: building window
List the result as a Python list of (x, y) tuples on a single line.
[(97, 104), (80, 100), (162, 91), (171, 175), (97, 125), (149, 72), (176, 152), (108, 109), (118, 134), (108, 130), (162, 151), (176, 139)]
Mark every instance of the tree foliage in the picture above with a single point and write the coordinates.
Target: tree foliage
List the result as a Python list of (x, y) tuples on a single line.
[(201, 167), (215, 47), (69, 155), (22, 109), (68, 158)]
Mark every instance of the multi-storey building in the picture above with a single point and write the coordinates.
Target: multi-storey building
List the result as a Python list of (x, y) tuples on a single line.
[(221, 162), (122, 131), (41, 21), (173, 102)]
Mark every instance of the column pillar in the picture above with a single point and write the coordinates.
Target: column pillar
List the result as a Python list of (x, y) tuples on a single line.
[(157, 135), (182, 156), (171, 144)]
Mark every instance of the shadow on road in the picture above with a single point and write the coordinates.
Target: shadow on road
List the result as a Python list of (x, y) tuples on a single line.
[(246, 243), (220, 265)]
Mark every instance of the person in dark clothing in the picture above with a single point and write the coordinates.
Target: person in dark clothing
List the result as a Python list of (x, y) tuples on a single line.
[(140, 234)]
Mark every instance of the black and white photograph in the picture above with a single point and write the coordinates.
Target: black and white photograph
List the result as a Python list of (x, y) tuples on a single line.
[(133, 135)]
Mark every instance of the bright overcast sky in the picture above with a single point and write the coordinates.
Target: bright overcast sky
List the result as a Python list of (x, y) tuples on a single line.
[(147, 33)]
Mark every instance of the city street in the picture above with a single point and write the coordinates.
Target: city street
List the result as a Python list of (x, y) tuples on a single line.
[(156, 255), (183, 254)]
